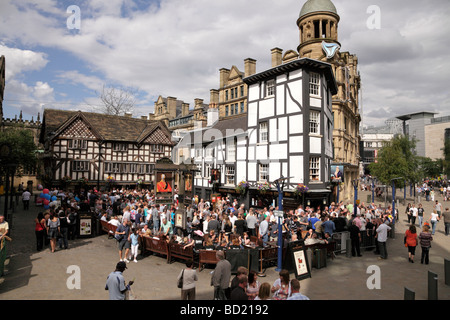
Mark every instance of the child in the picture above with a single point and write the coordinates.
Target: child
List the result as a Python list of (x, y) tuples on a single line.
[(134, 236)]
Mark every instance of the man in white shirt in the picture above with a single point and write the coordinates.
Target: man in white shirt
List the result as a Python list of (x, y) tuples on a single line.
[(382, 233), (26, 196)]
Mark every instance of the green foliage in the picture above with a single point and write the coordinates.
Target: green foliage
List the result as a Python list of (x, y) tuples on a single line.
[(396, 160), (23, 148), (446, 161)]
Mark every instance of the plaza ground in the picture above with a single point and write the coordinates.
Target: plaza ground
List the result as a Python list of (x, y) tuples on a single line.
[(32, 275)]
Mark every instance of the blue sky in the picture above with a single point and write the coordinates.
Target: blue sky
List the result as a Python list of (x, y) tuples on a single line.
[(176, 48)]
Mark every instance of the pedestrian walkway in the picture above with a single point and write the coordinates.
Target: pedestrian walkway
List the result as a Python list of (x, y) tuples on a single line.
[(32, 275)]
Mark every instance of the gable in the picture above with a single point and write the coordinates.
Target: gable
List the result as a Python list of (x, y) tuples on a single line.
[(158, 136), (234, 73), (78, 129)]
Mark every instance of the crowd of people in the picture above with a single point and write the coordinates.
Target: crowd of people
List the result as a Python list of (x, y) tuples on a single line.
[(225, 225)]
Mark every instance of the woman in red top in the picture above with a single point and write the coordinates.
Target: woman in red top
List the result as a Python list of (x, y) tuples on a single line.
[(411, 242)]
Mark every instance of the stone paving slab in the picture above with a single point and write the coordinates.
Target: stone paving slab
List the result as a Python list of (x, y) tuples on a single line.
[(32, 275)]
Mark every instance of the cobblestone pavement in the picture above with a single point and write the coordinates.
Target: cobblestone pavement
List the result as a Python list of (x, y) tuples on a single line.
[(32, 275)]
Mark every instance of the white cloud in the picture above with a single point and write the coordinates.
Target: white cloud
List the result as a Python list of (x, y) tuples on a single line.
[(177, 47)]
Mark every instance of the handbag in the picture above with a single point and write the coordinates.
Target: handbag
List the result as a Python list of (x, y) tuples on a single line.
[(180, 281)]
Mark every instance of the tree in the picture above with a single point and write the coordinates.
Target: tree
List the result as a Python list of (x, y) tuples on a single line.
[(396, 159), (23, 148), (446, 161), (117, 101)]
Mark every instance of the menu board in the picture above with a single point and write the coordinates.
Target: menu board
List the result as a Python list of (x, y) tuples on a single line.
[(85, 227)]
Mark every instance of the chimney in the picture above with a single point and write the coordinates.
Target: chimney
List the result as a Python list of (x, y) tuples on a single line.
[(250, 67), (277, 57), (224, 74), (128, 115), (214, 98), (198, 103), (144, 118), (213, 117), (184, 109), (172, 106)]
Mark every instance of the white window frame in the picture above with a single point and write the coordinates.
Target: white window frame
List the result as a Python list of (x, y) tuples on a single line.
[(270, 88), (80, 166), (314, 84), (263, 173), (208, 168), (78, 144), (230, 172), (314, 169), (120, 147), (264, 132), (231, 151), (157, 148), (314, 122)]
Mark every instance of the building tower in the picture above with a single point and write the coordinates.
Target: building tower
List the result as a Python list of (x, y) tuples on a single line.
[(318, 26)]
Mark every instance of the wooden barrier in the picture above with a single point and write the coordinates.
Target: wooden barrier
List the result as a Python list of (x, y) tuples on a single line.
[(177, 250), (156, 246), (207, 257), (108, 228)]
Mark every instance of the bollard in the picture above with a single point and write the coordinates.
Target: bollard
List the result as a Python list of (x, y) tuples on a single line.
[(409, 294), (432, 286), (348, 248), (447, 271)]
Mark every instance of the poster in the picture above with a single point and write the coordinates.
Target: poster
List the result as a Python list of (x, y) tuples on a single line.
[(301, 267), (85, 227), (164, 182), (337, 173)]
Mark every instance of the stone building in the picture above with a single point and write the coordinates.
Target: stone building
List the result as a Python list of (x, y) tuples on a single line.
[(231, 97), (318, 27)]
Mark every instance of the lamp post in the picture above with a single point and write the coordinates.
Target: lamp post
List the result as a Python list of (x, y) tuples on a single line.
[(8, 166), (280, 185), (355, 189)]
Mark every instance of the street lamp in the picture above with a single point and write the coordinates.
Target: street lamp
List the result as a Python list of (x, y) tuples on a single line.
[(280, 185), (5, 158), (355, 188)]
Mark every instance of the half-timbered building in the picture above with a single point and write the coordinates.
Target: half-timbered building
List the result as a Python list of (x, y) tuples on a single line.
[(83, 145), (287, 132)]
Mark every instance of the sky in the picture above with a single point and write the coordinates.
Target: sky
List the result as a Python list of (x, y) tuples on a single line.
[(61, 59)]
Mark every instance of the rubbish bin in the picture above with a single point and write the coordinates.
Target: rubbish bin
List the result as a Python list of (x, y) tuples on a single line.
[(85, 225)]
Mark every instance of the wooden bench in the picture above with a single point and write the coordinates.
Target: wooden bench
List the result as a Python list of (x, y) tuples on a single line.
[(156, 246), (108, 228), (207, 257), (177, 250)]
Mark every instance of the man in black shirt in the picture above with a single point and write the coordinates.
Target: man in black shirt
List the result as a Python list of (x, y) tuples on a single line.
[(238, 293)]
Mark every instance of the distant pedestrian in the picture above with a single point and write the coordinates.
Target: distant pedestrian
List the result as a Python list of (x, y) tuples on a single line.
[(189, 277), (434, 219), (134, 243), (115, 283), (53, 230), (355, 237), (410, 241), (446, 216), (121, 236), (39, 230), (425, 238), (26, 196), (382, 234)]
